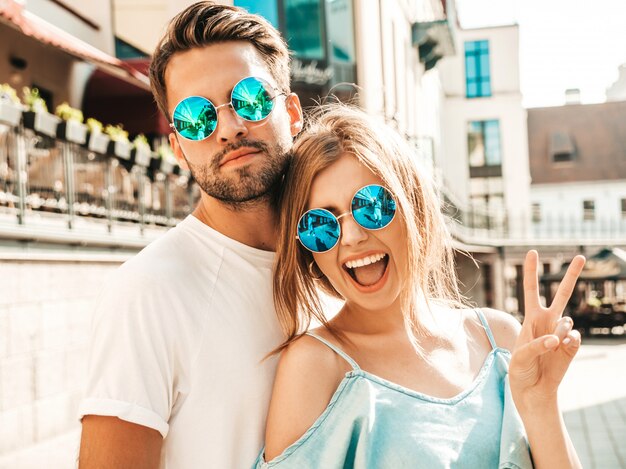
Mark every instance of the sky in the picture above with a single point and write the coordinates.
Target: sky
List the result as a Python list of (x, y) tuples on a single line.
[(563, 44)]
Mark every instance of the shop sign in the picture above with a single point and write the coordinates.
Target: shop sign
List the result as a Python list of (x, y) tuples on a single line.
[(310, 73)]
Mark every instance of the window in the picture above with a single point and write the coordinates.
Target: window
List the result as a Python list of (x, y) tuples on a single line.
[(483, 148), (477, 73), (268, 9), (536, 213), (623, 209), (124, 50), (589, 210), (304, 28), (561, 147)]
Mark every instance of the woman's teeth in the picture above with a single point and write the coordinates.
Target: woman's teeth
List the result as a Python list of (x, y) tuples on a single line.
[(364, 261)]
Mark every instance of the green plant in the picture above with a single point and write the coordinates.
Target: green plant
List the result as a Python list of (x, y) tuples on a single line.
[(141, 141), (165, 152), (116, 132), (8, 92), (94, 125), (67, 112), (33, 101)]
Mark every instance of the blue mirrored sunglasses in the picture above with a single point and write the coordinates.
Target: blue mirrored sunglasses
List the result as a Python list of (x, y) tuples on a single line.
[(372, 207), (195, 117)]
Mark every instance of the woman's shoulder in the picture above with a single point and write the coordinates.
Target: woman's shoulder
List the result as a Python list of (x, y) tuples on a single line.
[(504, 326), (308, 375)]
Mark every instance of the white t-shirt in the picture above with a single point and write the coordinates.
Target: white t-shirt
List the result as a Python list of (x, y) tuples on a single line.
[(178, 338)]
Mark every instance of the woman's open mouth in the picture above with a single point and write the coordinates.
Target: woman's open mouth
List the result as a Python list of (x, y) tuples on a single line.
[(368, 273)]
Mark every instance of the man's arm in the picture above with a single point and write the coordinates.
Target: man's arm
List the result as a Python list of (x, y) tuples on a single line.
[(109, 442)]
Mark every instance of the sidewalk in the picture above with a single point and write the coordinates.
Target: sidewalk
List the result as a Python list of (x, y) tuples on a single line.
[(593, 398)]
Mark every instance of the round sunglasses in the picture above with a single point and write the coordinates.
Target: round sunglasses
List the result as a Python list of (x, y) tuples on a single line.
[(252, 98), (372, 207)]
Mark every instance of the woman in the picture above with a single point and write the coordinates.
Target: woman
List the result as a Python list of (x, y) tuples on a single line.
[(405, 375)]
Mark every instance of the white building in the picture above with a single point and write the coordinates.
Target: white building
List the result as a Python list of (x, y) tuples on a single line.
[(484, 161)]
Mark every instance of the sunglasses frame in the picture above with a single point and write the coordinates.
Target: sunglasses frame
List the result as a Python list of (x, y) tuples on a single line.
[(228, 104), (341, 215)]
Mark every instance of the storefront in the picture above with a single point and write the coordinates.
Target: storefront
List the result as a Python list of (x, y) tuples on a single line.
[(320, 34)]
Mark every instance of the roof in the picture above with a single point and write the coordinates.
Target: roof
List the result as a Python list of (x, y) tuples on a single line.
[(14, 14), (577, 142), (608, 264)]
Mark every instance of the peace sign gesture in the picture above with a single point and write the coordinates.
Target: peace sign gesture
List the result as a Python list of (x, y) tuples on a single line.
[(546, 344)]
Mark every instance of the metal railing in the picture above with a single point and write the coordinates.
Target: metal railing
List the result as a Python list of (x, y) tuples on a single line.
[(49, 182)]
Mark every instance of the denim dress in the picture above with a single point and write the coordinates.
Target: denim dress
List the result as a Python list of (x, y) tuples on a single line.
[(372, 423)]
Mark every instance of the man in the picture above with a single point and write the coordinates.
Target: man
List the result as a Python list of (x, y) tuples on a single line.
[(177, 377)]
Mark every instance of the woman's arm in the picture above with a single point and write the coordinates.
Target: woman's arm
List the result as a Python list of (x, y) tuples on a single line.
[(307, 376), (544, 349), (547, 435)]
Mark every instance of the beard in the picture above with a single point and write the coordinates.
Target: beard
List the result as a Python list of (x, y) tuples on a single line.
[(248, 184)]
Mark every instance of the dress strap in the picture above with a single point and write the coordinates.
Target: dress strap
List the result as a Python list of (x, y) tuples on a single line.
[(337, 350), (485, 324)]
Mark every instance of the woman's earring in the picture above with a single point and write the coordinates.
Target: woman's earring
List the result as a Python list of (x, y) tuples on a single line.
[(312, 268)]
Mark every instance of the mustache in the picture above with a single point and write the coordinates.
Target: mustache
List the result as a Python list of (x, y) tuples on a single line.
[(262, 146)]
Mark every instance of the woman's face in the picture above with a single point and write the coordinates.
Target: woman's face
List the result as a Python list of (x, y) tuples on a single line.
[(374, 286)]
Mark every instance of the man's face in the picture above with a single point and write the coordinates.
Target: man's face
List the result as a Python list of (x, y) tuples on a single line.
[(241, 160)]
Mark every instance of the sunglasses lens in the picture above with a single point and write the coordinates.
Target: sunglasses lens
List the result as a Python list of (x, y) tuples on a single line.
[(373, 207), (251, 99), (318, 230), (195, 118)]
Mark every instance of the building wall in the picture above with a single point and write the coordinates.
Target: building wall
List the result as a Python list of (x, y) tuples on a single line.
[(154, 16), (45, 316), (505, 104), (97, 30), (562, 204), (392, 82), (46, 66)]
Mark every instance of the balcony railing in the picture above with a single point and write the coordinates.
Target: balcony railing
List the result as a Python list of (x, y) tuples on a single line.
[(54, 185), (488, 226)]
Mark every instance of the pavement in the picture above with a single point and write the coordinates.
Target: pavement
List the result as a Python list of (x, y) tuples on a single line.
[(593, 399)]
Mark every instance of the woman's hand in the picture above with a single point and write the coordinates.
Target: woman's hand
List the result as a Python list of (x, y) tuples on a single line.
[(546, 344)]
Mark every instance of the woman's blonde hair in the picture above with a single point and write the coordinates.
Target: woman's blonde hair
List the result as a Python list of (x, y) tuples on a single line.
[(332, 131)]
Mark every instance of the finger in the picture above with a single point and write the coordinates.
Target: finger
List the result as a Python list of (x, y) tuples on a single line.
[(566, 288), (563, 328), (529, 352), (572, 342), (531, 285)]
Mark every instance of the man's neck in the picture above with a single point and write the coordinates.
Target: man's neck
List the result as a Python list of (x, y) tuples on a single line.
[(253, 224)]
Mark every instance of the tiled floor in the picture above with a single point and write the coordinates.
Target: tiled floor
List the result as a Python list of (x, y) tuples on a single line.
[(594, 403)]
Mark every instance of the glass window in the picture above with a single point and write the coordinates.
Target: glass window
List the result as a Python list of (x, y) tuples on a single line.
[(340, 30), (536, 213), (477, 69), (268, 9), (589, 210), (623, 201), (483, 143), (303, 27)]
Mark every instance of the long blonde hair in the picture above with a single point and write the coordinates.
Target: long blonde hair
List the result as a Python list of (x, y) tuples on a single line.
[(332, 131)]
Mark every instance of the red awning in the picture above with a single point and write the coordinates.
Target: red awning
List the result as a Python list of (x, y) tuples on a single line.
[(15, 15)]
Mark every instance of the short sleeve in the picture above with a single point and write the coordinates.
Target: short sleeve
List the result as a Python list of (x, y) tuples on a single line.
[(131, 372)]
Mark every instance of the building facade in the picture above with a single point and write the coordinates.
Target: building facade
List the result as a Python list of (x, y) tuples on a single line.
[(485, 164)]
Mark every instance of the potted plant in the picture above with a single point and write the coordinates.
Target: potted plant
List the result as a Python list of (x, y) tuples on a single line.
[(119, 145), (10, 106), (37, 116), (168, 160), (97, 141), (72, 128), (142, 153)]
